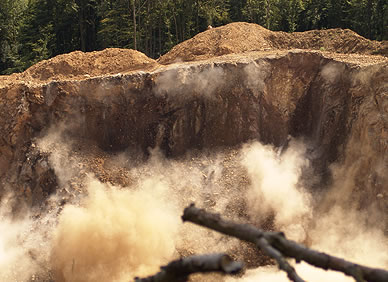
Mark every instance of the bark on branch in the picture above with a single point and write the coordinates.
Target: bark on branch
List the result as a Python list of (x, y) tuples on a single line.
[(278, 247), (179, 270)]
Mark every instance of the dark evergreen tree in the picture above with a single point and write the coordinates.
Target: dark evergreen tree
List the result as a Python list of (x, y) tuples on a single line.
[(33, 30), (87, 21), (381, 27), (315, 15), (115, 27), (235, 10), (37, 36), (66, 27), (287, 14), (11, 12)]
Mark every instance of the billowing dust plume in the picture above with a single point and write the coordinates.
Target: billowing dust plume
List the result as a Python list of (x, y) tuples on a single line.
[(15, 262), (111, 232), (24, 253), (116, 234), (338, 229), (256, 74), (179, 81), (275, 188)]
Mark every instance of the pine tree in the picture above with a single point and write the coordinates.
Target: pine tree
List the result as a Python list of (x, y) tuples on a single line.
[(116, 27), (11, 12), (37, 32), (287, 14)]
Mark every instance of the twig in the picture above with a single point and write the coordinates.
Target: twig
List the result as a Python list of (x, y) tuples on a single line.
[(244, 232), (286, 248), (263, 244), (179, 270)]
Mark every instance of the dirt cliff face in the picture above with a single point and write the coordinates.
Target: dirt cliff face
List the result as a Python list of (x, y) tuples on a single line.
[(329, 103), (86, 128)]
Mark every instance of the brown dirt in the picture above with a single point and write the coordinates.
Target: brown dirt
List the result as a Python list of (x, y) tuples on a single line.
[(235, 38), (76, 65), (246, 37)]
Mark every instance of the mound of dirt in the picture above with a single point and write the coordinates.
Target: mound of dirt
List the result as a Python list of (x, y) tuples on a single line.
[(232, 38), (78, 64), (336, 40), (243, 37)]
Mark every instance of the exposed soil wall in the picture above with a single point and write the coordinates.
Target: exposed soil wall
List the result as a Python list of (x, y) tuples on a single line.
[(207, 105)]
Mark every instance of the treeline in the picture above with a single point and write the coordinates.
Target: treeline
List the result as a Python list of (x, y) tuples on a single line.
[(33, 30)]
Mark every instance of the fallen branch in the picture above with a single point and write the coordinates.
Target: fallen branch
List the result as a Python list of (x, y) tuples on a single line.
[(263, 244), (270, 242), (179, 270), (241, 231)]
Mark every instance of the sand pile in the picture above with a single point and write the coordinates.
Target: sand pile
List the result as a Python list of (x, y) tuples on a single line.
[(78, 64), (246, 37)]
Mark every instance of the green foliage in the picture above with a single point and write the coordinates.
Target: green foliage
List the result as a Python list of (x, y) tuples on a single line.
[(67, 37), (236, 9), (115, 24), (37, 32), (254, 11), (368, 17), (215, 12), (10, 15), (33, 30), (293, 9)]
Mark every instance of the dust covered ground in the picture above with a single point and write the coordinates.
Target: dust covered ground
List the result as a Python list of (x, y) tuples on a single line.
[(115, 215)]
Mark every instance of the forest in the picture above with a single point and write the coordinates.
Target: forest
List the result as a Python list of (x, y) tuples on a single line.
[(34, 30)]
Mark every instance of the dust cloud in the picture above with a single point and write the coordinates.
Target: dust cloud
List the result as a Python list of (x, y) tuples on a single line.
[(15, 262), (332, 224), (24, 252), (115, 234), (201, 81), (256, 74), (274, 187), (110, 232), (331, 72)]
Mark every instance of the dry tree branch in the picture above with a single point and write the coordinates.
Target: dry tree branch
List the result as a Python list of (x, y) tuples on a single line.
[(179, 270), (263, 244), (241, 231), (270, 241)]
